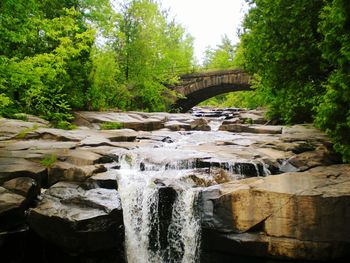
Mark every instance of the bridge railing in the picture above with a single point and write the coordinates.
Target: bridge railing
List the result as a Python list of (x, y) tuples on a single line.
[(183, 71)]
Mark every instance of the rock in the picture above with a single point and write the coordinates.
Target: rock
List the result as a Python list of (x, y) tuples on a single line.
[(305, 132), (268, 129), (309, 159), (86, 134), (260, 245), (79, 220), (177, 126), (200, 125), (122, 135), (11, 128), (301, 206), (11, 210), (37, 145), (252, 117), (209, 177), (24, 186), (135, 121), (11, 168), (106, 180), (80, 157), (63, 171)]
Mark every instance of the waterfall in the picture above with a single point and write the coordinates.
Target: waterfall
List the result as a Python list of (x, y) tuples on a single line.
[(161, 223)]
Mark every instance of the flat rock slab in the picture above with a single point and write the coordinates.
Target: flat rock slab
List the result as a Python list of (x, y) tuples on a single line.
[(36, 145), (10, 128), (78, 220), (83, 134), (303, 206), (17, 167), (267, 129), (63, 171), (130, 120)]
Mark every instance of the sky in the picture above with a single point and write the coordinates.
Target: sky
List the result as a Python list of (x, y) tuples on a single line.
[(207, 20)]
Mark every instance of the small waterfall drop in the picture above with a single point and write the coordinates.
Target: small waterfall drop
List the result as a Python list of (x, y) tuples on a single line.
[(215, 124), (161, 223)]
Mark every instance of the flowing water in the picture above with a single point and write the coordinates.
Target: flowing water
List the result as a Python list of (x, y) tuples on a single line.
[(159, 197), (161, 223)]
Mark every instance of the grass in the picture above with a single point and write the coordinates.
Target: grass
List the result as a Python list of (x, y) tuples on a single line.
[(25, 131), (48, 160), (20, 116), (65, 125), (111, 125)]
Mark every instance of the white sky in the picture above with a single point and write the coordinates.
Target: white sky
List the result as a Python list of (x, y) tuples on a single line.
[(207, 20)]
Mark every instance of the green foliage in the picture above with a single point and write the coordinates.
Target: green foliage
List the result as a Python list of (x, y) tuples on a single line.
[(280, 45), (65, 125), (20, 116), (46, 75), (150, 50), (105, 92), (333, 113), (300, 51), (111, 126), (49, 65), (49, 160), (222, 57)]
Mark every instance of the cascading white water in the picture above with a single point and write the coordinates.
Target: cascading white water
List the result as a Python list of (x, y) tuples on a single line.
[(162, 224), (185, 228), (141, 202), (215, 124)]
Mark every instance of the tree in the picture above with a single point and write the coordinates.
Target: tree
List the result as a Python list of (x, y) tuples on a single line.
[(149, 48), (333, 113), (222, 57), (280, 45), (105, 92), (45, 51)]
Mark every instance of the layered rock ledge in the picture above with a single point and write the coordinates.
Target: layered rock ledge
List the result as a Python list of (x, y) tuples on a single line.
[(269, 191)]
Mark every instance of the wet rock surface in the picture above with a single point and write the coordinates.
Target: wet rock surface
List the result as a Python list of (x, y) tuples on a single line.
[(78, 219), (268, 191)]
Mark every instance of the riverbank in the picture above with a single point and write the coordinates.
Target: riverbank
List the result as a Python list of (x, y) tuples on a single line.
[(263, 190)]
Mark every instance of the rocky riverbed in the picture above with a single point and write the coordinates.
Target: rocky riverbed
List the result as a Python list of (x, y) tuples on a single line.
[(259, 190)]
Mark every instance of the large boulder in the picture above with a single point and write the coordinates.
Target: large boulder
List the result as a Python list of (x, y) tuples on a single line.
[(300, 207), (79, 220)]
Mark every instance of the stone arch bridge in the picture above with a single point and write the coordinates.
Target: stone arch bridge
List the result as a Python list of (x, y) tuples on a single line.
[(198, 87)]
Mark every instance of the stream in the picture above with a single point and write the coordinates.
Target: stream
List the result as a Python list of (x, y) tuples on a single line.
[(160, 186)]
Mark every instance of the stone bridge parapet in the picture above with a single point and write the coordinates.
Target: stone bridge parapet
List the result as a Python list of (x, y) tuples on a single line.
[(197, 87)]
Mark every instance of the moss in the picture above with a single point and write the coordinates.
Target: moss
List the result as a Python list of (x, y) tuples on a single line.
[(65, 125), (48, 160), (111, 126)]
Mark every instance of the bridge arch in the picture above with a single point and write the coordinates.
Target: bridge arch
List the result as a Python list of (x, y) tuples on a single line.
[(195, 88)]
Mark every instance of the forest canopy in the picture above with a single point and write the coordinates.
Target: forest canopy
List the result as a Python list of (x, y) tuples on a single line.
[(57, 56), (63, 55), (299, 53)]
